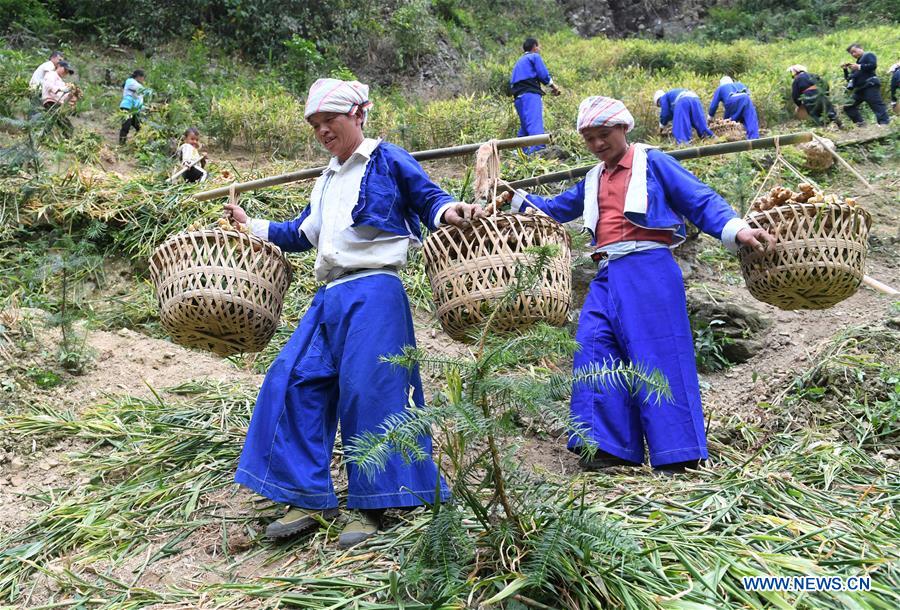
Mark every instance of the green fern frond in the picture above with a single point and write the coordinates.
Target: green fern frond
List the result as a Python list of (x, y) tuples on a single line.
[(636, 378), (413, 356), (400, 433)]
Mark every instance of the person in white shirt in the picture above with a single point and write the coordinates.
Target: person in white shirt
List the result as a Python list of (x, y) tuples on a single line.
[(193, 162), (53, 89), (48, 66), (364, 215)]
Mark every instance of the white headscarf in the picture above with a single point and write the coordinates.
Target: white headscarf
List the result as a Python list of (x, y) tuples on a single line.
[(599, 111), (726, 80), (659, 93), (341, 96), (797, 69), (893, 68)]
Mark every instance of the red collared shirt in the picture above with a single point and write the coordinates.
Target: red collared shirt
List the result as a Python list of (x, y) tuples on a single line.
[(613, 226)]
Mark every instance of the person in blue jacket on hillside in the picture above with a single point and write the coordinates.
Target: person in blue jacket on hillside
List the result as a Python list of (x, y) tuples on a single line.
[(863, 82), (364, 214), (735, 98), (683, 109), (635, 204), (525, 83), (133, 92)]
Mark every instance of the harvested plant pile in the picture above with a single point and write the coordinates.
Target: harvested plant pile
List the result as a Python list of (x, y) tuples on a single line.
[(731, 131)]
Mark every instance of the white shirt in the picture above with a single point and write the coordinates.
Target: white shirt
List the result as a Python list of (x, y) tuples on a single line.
[(38, 77), (188, 154), (341, 247), (53, 87)]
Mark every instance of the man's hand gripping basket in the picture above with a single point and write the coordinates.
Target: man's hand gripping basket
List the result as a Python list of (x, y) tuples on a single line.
[(471, 269), (820, 252), (220, 289)]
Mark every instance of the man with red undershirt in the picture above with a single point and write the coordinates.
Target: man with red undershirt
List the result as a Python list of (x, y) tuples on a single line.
[(635, 204)]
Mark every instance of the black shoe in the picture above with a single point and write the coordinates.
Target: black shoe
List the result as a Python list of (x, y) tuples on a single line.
[(601, 461), (676, 468)]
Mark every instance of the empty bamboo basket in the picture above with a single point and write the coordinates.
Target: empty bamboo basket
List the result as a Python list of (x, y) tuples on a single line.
[(220, 290), (471, 270), (819, 257)]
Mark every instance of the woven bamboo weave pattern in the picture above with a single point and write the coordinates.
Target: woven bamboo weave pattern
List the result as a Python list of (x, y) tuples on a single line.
[(220, 290), (819, 257), (471, 269)]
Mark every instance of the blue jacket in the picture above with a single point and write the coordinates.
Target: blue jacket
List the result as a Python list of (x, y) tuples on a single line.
[(667, 105), (866, 75), (723, 92), (673, 195), (132, 95), (394, 196), (528, 74)]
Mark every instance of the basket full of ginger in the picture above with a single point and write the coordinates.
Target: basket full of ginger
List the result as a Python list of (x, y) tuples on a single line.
[(820, 252)]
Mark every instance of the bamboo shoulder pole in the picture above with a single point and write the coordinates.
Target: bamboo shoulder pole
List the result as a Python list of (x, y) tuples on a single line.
[(682, 153), (422, 155)]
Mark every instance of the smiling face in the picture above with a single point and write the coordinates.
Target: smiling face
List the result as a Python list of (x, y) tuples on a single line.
[(606, 143), (193, 139), (340, 134)]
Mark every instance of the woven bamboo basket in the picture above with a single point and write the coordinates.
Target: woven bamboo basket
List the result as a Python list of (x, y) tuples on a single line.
[(220, 290), (471, 269), (731, 131), (819, 257)]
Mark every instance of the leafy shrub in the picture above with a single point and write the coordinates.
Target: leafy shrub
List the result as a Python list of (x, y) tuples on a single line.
[(472, 118), (257, 120), (710, 59), (31, 14)]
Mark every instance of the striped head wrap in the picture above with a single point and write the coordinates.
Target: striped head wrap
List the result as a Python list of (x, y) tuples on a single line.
[(599, 111), (341, 96)]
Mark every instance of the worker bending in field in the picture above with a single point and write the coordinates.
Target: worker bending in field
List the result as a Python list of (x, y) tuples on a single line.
[(363, 216), (735, 99), (635, 204), (863, 82), (527, 76), (810, 92), (682, 108)]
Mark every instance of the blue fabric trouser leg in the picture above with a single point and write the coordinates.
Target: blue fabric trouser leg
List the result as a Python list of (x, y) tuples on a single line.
[(740, 108), (636, 311), (530, 108), (330, 371), (681, 122), (698, 116)]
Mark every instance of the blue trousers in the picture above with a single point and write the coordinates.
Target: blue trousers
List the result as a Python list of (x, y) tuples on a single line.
[(688, 115), (330, 371), (740, 108), (636, 312), (530, 108)]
